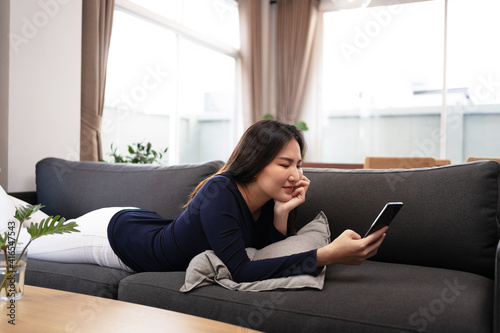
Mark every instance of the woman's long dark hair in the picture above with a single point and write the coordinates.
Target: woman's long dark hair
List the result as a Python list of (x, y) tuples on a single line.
[(258, 146)]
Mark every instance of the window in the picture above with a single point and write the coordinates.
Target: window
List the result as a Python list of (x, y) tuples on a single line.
[(169, 82), (473, 120), (384, 74)]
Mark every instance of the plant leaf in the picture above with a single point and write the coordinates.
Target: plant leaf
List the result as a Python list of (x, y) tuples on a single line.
[(50, 226), (139, 153), (23, 213), (301, 125), (268, 116), (4, 241)]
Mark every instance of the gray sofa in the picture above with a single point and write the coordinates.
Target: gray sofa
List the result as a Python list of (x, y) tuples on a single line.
[(435, 272)]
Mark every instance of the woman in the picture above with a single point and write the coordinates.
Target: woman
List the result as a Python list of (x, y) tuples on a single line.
[(248, 203)]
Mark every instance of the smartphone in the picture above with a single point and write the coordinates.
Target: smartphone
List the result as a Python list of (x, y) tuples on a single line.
[(385, 216)]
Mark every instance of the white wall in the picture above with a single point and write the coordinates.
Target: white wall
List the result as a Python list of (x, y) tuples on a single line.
[(44, 88), (4, 89)]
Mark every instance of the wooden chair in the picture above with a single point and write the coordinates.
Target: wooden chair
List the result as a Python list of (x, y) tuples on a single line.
[(440, 162), (373, 162), (472, 159)]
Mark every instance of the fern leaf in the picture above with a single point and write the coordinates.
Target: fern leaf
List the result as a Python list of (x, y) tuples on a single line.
[(51, 226)]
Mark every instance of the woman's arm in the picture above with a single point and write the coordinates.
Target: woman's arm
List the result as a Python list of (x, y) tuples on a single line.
[(222, 221), (350, 249), (280, 221), (282, 209)]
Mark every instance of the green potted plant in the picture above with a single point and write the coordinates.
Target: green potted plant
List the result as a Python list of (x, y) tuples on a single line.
[(140, 153), (301, 125), (13, 262)]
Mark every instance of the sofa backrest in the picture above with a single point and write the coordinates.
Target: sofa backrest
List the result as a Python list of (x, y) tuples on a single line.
[(449, 218), (71, 189)]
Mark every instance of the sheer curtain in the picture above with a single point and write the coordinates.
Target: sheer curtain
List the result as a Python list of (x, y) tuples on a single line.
[(296, 28), (251, 48), (97, 19)]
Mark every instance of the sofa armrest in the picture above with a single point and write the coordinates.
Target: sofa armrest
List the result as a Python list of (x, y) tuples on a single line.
[(29, 197), (496, 296)]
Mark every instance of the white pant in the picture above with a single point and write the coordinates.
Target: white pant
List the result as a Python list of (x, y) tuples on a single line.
[(89, 246)]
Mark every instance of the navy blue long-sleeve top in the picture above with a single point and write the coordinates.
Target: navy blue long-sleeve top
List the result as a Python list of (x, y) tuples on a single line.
[(217, 219)]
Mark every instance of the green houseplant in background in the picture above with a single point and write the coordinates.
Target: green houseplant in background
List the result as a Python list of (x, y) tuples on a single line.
[(301, 125), (12, 269), (139, 153)]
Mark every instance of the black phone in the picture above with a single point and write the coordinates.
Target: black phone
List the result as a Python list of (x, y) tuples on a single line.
[(385, 216)]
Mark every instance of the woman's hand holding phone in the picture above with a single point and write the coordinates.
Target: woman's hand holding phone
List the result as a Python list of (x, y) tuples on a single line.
[(350, 249)]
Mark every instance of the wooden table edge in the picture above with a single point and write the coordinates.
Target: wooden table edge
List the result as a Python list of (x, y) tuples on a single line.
[(51, 310)]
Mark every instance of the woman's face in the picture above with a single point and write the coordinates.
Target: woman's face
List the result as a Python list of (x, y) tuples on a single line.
[(278, 178)]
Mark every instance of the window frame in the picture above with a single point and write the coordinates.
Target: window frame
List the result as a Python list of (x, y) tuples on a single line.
[(185, 33), (329, 6)]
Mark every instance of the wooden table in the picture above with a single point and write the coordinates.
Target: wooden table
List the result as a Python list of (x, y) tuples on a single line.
[(49, 310)]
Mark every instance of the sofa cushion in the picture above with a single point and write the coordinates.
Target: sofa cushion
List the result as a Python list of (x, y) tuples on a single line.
[(449, 219), (71, 189), (373, 297), (79, 278)]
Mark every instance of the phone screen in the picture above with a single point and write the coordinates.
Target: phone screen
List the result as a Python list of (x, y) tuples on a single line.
[(385, 216)]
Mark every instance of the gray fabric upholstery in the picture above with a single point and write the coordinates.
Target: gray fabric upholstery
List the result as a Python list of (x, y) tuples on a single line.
[(373, 297), (435, 271), (80, 278), (496, 297), (71, 189), (449, 218)]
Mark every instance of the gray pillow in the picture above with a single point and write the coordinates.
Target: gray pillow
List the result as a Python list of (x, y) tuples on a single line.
[(206, 268), (313, 235)]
